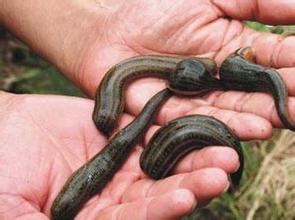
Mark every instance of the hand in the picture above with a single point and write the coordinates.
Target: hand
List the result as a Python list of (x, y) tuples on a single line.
[(195, 28), (94, 35), (44, 139)]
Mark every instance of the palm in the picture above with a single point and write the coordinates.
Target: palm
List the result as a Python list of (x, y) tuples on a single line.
[(192, 28), (57, 137), (177, 27)]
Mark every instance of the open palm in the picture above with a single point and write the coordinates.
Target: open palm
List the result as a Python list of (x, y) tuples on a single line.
[(194, 28), (44, 139)]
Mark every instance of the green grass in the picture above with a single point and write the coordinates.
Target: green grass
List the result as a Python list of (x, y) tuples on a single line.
[(268, 185), (45, 81), (226, 207)]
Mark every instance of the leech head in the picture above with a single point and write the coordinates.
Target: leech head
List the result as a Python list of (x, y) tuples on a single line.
[(236, 65), (248, 53)]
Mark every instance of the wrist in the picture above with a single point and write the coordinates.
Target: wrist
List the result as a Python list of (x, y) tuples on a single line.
[(4, 101), (63, 32)]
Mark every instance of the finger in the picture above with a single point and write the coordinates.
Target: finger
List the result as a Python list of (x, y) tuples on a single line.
[(205, 184), (274, 50), (224, 158), (288, 76), (171, 205), (262, 10), (254, 127), (270, 49), (143, 89), (260, 104)]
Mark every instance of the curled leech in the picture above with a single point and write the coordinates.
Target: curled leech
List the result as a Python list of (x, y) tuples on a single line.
[(183, 135), (109, 99)]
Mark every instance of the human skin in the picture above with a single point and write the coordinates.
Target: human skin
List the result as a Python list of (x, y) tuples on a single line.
[(45, 138), (85, 38)]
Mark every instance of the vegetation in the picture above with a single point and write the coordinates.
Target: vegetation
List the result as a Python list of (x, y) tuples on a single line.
[(268, 186), (22, 71)]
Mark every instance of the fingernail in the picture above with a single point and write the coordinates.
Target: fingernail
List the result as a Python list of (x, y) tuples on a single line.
[(226, 187)]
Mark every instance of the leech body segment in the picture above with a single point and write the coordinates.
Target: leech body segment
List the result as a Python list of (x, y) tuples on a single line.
[(109, 100), (239, 72), (179, 137), (96, 173)]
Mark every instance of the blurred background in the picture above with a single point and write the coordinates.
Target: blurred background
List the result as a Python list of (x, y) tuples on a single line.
[(268, 185)]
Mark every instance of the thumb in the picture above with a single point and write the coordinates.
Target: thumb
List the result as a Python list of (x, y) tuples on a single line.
[(266, 11)]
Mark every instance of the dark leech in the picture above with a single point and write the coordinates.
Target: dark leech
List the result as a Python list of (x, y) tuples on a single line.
[(188, 77), (92, 177), (179, 137), (109, 100), (238, 72)]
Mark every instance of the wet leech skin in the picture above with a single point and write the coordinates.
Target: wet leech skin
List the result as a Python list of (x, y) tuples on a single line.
[(239, 72), (183, 135), (92, 177)]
